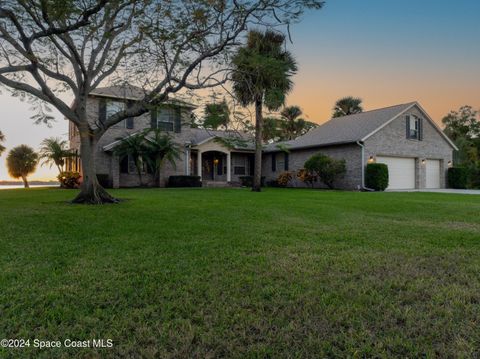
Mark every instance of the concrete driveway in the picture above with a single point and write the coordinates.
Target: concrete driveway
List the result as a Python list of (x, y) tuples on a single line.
[(441, 190)]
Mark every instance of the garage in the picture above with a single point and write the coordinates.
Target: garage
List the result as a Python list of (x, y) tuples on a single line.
[(401, 172), (433, 174)]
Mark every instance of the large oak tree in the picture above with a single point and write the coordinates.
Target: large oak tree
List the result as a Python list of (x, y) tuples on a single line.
[(58, 50)]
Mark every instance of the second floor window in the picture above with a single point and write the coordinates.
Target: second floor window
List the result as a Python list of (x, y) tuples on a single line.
[(113, 107), (414, 127), (166, 119)]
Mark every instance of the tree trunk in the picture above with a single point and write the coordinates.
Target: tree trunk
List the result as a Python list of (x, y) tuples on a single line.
[(25, 182), (138, 164), (257, 173), (91, 192)]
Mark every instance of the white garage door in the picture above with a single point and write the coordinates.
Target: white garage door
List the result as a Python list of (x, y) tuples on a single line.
[(433, 173), (401, 172)]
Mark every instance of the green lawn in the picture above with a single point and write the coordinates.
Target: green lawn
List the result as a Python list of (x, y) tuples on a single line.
[(229, 273)]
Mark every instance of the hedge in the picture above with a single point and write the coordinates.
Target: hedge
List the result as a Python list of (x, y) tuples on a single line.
[(184, 181), (376, 176), (247, 181), (458, 177)]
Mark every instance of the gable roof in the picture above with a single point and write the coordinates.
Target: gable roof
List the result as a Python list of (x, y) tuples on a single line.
[(131, 92), (352, 128)]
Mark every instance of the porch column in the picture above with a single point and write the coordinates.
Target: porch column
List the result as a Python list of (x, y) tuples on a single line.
[(199, 164), (187, 161), (229, 166)]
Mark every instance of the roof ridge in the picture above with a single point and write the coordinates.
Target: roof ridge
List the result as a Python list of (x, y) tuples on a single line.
[(376, 109)]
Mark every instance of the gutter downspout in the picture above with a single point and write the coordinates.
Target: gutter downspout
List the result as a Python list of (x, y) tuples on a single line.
[(363, 188)]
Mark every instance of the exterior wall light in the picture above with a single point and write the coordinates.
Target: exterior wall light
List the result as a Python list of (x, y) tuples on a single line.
[(215, 161), (450, 164), (424, 161), (371, 159)]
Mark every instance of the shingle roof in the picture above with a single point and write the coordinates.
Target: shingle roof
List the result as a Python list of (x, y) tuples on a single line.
[(130, 92), (346, 129)]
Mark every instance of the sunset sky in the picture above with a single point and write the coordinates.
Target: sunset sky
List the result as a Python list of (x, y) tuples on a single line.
[(386, 52)]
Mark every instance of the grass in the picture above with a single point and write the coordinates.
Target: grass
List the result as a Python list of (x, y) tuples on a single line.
[(229, 273)]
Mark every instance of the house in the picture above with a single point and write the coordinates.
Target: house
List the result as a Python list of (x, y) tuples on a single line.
[(404, 137), (203, 153)]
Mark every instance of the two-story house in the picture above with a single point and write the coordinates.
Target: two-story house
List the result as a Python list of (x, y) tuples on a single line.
[(202, 154)]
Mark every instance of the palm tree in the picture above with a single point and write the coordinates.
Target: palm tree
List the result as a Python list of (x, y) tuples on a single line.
[(347, 106), (160, 147), (2, 139), (216, 115), (54, 151), (135, 147), (291, 125), (22, 161), (261, 76)]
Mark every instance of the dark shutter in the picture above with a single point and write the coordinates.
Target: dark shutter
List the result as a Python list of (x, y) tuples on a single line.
[(178, 120), (124, 165), (153, 118), (420, 129), (102, 110), (274, 162), (408, 126), (286, 161), (129, 120)]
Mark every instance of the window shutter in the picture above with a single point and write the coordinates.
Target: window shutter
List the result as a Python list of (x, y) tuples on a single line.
[(153, 117), (102, 110), (124, 165), (274, 162), (286, 161), (129, 120), (420, 129), (178, 120), (408, 126)]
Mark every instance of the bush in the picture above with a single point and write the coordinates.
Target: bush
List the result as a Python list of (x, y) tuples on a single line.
[(307, 177), (284, 178), (69, 179), (104, 180), (328, 169), (184, 181), (458, 177), (247, 181), (376, 176)]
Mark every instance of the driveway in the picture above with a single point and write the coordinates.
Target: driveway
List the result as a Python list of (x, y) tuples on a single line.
[(441, 190)]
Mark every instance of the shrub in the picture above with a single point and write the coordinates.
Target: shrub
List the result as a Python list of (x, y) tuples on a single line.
[(376, 176), (69, 179), (284, 178), (307, 177), (474, 177), (458, 177), (247, 181), (326, 168), (184, 181), (104, 180)]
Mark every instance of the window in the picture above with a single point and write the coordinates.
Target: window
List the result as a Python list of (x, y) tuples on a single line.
[(280, 161), (127, 165), (114, 106), (166, 119), (239, 165), (414, 127)]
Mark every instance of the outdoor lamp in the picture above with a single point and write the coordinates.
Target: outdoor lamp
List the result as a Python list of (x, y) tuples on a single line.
[(449, 163), (371, 159), (424, 161), (215, 161)]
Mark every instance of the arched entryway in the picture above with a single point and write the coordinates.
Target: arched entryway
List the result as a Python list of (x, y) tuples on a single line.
[(215, 166)]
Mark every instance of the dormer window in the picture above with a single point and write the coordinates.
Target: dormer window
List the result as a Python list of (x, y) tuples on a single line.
[(414, 127)]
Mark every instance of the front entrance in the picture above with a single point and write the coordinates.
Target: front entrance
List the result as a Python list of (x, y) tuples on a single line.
[(214, 166)]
